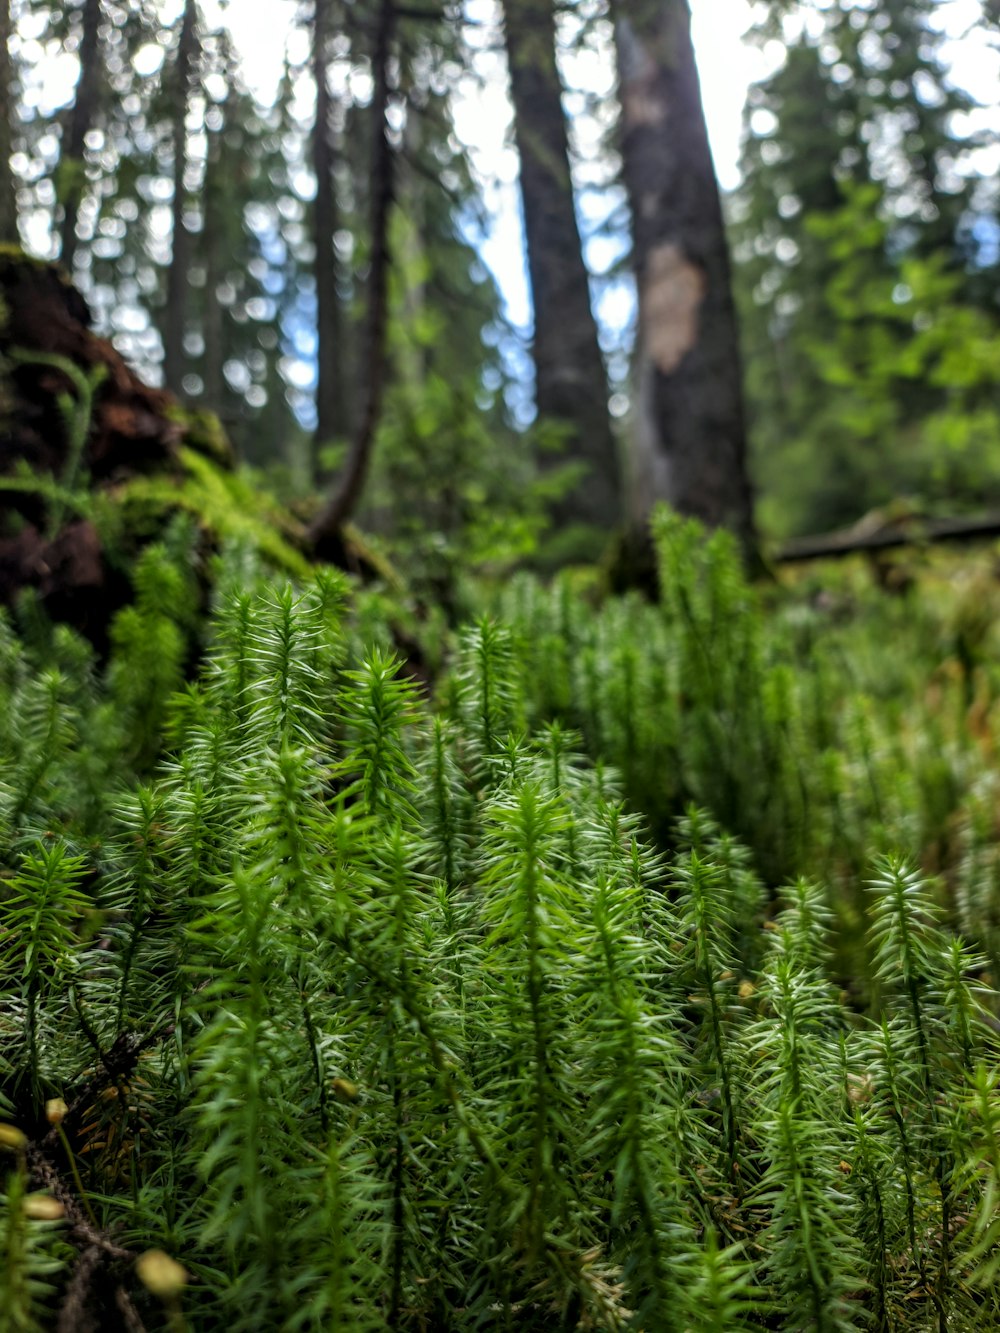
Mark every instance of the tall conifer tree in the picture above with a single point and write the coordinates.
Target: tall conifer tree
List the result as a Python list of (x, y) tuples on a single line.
[(8, 189), (178, 274), (332, 411), (570, 382), (689, 436)]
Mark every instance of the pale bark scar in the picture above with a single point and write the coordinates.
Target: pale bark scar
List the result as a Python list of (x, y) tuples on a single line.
[(672, 292)]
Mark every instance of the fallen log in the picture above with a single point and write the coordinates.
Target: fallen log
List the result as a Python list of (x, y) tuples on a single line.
[(910, 531)]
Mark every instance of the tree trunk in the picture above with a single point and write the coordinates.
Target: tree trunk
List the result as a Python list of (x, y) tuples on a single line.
[(212, 239), (571, 386), (8, 188), (332, 417), (178, 275), (689, 437), (324, 532), (81, 119)]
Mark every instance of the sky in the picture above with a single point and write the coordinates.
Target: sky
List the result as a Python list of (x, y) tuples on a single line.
[(727, 65)]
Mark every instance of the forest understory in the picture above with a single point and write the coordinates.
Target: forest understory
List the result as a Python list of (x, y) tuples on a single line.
[(499, 808), (631, 969)]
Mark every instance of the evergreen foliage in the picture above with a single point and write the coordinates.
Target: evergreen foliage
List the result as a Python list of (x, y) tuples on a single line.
[(866, 267), (372, 1013), (789, 719)]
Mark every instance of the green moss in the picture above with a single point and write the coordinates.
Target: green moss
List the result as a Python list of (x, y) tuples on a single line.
[(225, 504), (203, 432)]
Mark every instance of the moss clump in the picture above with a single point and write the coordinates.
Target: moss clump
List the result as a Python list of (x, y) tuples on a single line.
[(203, 432)]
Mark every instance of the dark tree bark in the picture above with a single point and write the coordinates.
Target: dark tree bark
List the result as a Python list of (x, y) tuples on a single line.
[(571, 386), (332, 414), (81, 119), (689, 439), (179, 272), (324, 532), (8, 190), (212, 318)]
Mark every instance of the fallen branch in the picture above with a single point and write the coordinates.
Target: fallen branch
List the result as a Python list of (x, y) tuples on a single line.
[(908, 532)]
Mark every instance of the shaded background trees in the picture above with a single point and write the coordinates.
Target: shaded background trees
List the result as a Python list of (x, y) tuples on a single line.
[(222, 237), (865, 231)]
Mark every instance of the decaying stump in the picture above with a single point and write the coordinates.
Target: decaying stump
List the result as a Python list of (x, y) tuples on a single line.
[(71, 413), (133, 427), (75, 420)]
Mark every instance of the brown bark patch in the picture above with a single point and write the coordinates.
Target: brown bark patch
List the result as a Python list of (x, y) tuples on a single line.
[(673, 290), (643, 105)]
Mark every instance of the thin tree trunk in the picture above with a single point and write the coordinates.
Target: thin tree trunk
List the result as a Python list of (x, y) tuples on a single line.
[(571, 385), (178, 275), (689, 439), (8, 188), (332, 418), (81, 119), (213, 232), (350, 485)]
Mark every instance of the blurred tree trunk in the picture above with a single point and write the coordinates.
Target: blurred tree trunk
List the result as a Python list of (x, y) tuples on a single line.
[(81, 119), (332, 413), (178, 275), (689, 435), (8, 188), (571, 386), (212, 238), (324, 532)]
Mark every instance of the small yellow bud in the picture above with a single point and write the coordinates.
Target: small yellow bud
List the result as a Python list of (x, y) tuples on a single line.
[(56, 1110), (12, 1138), (747, 990), (43, 1208), (344, 1090), (860, 1088), (160, 1274)]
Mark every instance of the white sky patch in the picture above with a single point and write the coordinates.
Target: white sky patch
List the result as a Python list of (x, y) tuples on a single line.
[(260, 29), (726, 66), (148, 60)]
